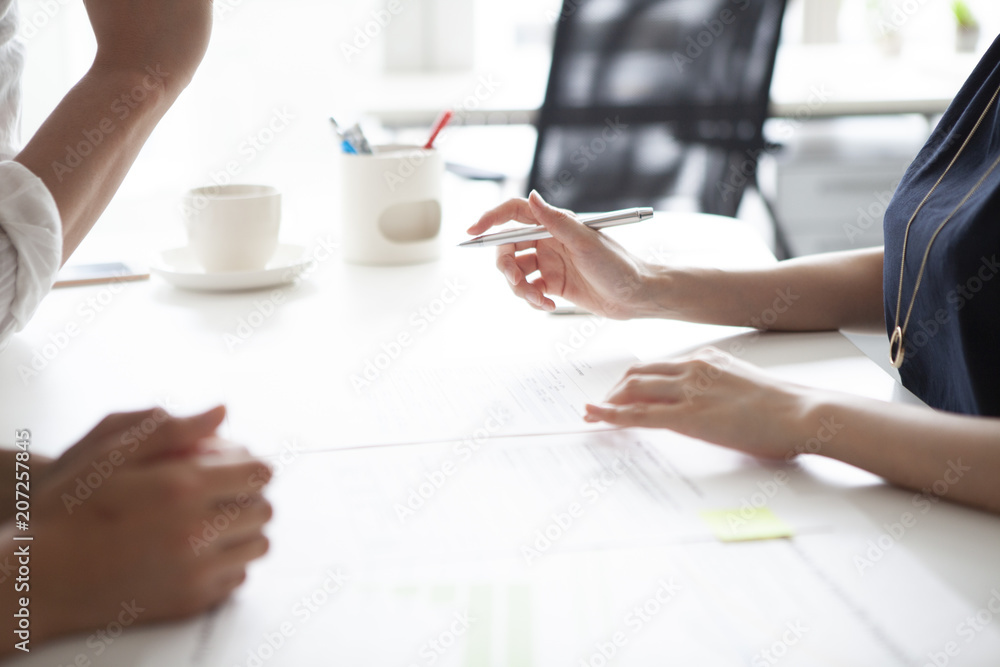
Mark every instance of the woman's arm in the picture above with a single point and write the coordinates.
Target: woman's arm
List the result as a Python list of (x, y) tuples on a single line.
[(938, 453), (741, 407), (833, 291), (147, 52), (841, 290)]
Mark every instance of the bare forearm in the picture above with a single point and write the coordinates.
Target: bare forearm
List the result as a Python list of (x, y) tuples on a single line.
[(947, 455), (824, 292), (85, 148)]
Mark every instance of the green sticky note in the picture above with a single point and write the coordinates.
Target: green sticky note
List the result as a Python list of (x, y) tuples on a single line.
[(738, 525)]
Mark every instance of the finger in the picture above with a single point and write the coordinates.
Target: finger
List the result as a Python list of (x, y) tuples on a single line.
[(535, 294), (120, 422), (242, 553), (175, 436), (230, 581), (110, 433), (247, 523), (527, 263), (646, 389), (682, 364), (507, 264), (511, 210), (228, 474), (667, 368), (562, 224), (642, 415), (223, 584), (515, 269)]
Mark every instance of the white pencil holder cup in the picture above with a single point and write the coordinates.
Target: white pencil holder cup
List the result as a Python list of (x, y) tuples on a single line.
[(391, 206)]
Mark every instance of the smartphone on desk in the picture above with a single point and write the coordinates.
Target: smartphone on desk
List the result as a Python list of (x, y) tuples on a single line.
[(75, 275)]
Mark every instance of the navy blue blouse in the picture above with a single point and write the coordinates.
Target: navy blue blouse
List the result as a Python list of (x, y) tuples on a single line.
[(952, 344)]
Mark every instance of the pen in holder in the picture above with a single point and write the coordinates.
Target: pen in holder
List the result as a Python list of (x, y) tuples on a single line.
[(391, 205)]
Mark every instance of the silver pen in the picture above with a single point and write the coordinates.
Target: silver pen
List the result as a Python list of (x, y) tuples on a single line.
[(537, 232)]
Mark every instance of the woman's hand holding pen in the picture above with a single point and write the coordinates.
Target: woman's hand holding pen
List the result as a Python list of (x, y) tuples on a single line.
[(708, 395), (578, 263)]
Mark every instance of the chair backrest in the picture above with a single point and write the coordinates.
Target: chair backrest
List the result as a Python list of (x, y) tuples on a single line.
[(656, 102)]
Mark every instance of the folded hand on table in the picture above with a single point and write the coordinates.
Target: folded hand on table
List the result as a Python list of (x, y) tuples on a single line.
[(145, 519)]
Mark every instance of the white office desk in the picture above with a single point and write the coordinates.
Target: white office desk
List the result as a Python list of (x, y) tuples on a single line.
[(153, 343)]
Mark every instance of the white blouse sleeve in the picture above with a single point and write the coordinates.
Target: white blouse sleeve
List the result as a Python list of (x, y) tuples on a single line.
[(30, 227), (30, 246)]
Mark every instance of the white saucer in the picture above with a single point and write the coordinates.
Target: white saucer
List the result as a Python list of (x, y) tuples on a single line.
[(180, 268)]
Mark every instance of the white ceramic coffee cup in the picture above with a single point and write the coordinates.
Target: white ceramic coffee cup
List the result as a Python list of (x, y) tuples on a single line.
[(233, 227)]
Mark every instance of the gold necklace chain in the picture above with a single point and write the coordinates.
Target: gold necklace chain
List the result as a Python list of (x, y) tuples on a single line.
[(896, 352)]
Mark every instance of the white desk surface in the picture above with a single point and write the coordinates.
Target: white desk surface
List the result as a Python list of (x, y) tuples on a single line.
[(810, 81), (153, 343)]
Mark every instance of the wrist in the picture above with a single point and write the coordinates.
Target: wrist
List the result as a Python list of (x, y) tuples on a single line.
[(818, 424), (660, 293)]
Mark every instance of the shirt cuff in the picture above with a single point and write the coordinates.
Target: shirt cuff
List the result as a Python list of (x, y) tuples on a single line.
[(31, 246)]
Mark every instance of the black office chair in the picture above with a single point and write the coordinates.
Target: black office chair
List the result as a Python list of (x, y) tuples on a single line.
[(657, 103)]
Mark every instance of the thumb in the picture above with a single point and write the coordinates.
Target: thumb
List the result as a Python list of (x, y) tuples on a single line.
[(562, 224), (179, 436)]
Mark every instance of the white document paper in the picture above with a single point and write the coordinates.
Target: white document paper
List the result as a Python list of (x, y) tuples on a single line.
[(463, 579), (419, 405)]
